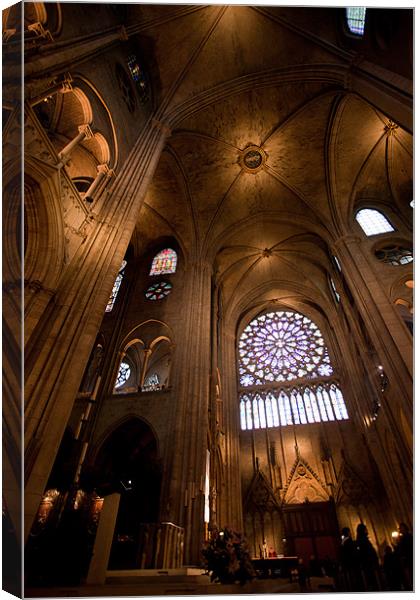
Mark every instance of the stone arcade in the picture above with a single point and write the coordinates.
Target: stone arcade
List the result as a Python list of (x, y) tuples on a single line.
[(218, 281)]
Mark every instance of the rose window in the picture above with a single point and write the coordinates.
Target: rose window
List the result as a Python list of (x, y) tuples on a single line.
[(158, 291), (285, 353), (281, 346)]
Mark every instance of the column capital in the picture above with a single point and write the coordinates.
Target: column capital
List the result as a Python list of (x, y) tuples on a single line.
[(40, 31), (66, 83), (86, 130), (105, 170)]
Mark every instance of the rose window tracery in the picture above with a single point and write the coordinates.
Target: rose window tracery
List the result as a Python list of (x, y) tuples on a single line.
[(282, 346)]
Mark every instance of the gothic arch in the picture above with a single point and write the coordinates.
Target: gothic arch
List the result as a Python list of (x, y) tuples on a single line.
[(44, 231)]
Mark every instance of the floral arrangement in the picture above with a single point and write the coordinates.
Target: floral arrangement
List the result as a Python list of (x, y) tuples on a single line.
[(227, 557)]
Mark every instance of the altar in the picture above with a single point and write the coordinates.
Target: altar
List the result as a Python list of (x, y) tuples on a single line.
[(278, 566)]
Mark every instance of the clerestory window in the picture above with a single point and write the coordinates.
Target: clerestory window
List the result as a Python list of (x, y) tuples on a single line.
[(164, 263), (285, 373), (123, 375), (356, 16), (373, 222)]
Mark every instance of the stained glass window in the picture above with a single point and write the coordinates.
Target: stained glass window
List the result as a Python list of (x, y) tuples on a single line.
[(151, 383), (373, 222), (158, 291), (164, 263), (278, 350), (300, 406), (394, 254), (138, 75), (356, 16), (123, 374), (281, 346), (116, 287)]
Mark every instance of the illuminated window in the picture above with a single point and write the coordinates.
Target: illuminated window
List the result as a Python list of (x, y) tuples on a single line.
[(116, 287), (337, 263), (158, 291), (356, 19), (285, 353), (334, 289), (123, 375), (373, 222), (151, 383), (394, 254), (281, 346), (164, 263)]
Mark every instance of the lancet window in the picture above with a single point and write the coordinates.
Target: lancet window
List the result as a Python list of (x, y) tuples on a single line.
[(123, 374), (285, 373), (116, 287)]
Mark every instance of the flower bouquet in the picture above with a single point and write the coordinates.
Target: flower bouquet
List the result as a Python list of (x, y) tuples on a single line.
[(227, 557)]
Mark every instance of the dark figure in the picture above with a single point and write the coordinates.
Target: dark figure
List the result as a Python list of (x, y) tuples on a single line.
[(367, 559), (303, 576), (350, 578), (315, 569), (404, 552), (392, 570)]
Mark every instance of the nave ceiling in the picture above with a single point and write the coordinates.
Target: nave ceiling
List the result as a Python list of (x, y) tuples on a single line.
[(233, 77)]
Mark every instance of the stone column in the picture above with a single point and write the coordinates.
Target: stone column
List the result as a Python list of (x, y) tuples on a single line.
[(390, 337), (191, 385), (103, 171), (231, 500), (392, 343), (57, 352), (147, 352), (85, 133)]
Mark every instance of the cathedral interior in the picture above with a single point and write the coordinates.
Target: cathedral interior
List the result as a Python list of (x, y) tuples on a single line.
[(213, 252)]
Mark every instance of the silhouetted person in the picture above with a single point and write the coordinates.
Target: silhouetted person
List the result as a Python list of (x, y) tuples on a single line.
[(404, 552), (303, 576), (315, 567), (367, 558), (392, 570), (350, 577)]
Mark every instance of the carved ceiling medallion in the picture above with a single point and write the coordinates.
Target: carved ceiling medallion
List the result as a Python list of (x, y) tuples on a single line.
[(252, 159)]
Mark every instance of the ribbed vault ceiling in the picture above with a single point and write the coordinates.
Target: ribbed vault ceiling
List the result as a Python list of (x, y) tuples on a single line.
[(231, 77)]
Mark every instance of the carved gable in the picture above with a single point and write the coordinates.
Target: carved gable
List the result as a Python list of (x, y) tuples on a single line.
[(260, 496), (304, 485)]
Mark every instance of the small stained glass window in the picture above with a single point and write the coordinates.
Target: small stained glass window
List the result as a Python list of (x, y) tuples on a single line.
[(356, 17), (158, 291), (115, 289), (123, 375), (164, 263), (138, 75), (395, 255), (373, 222)]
